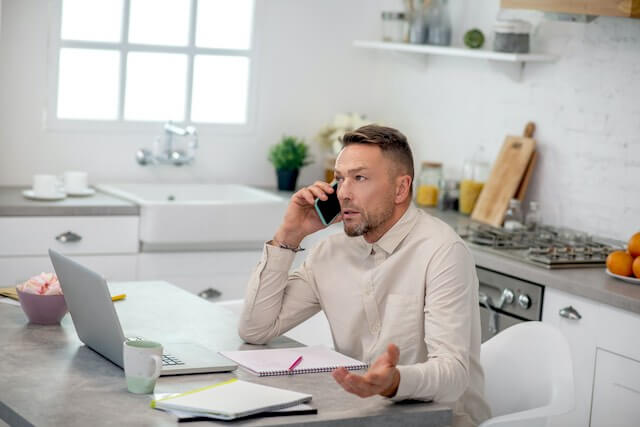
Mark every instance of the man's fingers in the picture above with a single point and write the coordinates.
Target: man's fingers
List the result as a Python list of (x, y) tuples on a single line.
[(318, 192), (305, 195), (325, 186), (360, 386), (394, 354)]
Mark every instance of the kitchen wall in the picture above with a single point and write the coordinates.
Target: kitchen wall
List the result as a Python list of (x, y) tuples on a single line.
[(586, 105), (306, 74)]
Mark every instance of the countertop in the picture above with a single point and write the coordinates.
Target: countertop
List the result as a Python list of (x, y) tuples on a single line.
[(49, 378), (592, 283), (13, 203)]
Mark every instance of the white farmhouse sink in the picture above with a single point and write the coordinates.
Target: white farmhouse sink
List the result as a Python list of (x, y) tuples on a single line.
[(202, 216)]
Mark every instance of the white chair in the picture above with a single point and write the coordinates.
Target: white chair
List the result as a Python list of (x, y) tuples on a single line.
[(528, 375)]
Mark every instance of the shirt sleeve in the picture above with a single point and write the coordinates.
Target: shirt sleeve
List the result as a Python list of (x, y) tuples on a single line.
[(450, 283), (275, 300)]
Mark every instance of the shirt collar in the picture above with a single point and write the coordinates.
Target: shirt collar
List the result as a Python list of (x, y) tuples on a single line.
[(392, 238)]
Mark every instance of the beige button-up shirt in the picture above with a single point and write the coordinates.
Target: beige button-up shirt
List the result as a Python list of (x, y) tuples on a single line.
[(415, 287)]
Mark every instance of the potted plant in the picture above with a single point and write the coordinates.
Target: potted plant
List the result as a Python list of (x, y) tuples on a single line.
[(288, 156)]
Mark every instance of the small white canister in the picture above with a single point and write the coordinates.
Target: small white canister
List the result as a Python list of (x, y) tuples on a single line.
[(511, 36)]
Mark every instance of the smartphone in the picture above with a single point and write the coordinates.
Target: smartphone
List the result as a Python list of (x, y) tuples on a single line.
[(328, 209)]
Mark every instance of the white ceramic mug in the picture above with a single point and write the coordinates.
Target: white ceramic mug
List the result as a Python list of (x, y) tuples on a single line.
[(46, 185), (142, 364), (76, 181)]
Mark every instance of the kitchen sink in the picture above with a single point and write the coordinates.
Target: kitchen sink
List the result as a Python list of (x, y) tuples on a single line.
[(202, 216)]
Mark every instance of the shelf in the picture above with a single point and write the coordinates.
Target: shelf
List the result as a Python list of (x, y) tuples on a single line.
[(456, 51)]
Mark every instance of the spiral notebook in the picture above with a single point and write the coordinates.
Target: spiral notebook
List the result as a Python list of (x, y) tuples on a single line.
[(277, 361)]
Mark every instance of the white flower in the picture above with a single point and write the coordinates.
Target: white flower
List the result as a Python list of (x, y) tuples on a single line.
[(330, 135)]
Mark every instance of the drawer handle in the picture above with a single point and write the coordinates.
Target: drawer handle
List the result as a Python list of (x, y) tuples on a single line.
[(570, 313), (68, 237)]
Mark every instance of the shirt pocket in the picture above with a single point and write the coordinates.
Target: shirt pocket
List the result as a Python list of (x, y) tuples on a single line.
[(403, 320)]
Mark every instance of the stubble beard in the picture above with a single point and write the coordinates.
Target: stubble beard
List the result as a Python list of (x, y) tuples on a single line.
[(368, 222)]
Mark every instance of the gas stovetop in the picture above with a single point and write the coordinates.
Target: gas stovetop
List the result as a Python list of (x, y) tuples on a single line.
[(545, 246)]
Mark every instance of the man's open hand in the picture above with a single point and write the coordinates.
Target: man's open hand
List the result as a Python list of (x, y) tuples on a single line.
[(382, 377)]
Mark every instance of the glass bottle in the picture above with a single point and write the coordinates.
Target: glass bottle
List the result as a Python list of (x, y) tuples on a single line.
[(533, 217), (438, 23), (513, 217), (475, 172), (429, 183), (415, 18)]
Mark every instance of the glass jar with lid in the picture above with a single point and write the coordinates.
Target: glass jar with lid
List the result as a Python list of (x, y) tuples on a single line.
[(513, 217), (395, 27), (429, 183)]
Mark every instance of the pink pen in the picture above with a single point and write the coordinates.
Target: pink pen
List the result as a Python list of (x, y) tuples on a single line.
[(294, 364)]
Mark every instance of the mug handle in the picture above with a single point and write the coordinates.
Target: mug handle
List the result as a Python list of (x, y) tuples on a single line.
[(157, 365)]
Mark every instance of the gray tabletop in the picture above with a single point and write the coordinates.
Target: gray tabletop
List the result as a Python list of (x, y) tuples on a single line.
[(49, 377), (13, 203)]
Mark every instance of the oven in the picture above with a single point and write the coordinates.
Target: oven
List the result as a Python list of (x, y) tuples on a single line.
[(506, 301)]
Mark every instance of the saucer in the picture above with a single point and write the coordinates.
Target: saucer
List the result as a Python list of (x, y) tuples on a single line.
[(29, 194), (82, 193)]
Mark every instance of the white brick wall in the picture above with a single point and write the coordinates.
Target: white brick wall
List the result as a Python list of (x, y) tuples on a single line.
[(586, 107)]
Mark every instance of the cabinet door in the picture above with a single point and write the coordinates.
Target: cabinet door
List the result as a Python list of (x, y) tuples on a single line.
[(616, 391), (581, 336), (77, 235), (626, 8)]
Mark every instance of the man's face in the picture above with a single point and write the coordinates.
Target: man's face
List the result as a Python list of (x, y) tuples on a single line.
[(366, 190)]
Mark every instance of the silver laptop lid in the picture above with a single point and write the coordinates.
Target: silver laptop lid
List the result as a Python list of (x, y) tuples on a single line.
[(92, 311)]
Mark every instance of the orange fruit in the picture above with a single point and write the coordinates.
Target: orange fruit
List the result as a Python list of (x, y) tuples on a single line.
[(619, 262), (636, 267), (634, 245)]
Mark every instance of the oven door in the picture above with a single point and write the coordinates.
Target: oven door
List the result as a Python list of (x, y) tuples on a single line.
[(503, 321)]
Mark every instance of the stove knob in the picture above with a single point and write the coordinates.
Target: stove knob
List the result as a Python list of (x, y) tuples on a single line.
[(524, 301)]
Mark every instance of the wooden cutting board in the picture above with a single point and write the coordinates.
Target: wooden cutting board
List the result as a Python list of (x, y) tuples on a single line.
[(505, 178)]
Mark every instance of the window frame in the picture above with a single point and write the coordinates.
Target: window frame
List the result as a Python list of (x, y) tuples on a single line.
[(52, 123)]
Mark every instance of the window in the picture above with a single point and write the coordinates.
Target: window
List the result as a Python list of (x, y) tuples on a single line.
[(119, 61)]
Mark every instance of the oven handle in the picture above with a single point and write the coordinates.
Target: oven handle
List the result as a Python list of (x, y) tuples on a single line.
[(569, 313), (493, 316)]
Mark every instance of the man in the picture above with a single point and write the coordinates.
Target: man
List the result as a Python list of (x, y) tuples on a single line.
[(399, 287)]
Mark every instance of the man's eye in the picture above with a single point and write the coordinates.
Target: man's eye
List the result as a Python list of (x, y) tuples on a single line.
[(360, 178), (339, 179)]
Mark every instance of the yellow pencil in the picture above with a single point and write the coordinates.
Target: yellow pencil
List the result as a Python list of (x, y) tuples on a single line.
[(118, 297)]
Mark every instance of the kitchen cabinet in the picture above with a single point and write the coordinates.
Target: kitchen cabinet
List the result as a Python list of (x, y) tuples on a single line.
[(107, 244), (615, 391), (225, 271), (622, 8), (605, 352)]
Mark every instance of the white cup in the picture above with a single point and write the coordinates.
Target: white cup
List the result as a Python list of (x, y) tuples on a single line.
[(76, 181), (142, 364), (46, 185)]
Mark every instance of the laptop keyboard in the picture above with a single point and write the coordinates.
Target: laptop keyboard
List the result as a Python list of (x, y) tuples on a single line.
[(168, 360)]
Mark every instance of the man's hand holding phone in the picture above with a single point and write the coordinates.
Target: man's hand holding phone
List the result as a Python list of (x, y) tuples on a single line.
[(302, 217)]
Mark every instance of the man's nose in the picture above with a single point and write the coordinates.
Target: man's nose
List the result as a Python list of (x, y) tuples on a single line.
[(343, 191)]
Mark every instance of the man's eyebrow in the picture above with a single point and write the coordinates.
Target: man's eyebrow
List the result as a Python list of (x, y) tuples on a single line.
[(351, 171)]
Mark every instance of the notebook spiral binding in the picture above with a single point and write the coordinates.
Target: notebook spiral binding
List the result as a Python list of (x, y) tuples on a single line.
[(309, 370)]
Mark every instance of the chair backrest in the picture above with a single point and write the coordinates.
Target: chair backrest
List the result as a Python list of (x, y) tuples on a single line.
[(528, 366)]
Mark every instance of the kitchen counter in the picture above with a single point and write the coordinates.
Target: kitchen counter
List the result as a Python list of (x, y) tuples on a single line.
[(13, 203), (592, 283)]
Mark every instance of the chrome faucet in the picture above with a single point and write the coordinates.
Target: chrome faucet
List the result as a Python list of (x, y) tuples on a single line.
[(168, 153)]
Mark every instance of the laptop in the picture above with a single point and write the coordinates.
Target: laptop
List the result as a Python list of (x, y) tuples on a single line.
[(97, 324)]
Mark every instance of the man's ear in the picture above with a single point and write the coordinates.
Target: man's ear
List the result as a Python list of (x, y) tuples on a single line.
[(403, 188)]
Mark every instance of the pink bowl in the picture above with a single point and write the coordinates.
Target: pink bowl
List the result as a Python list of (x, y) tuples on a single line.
[(43, 309)]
